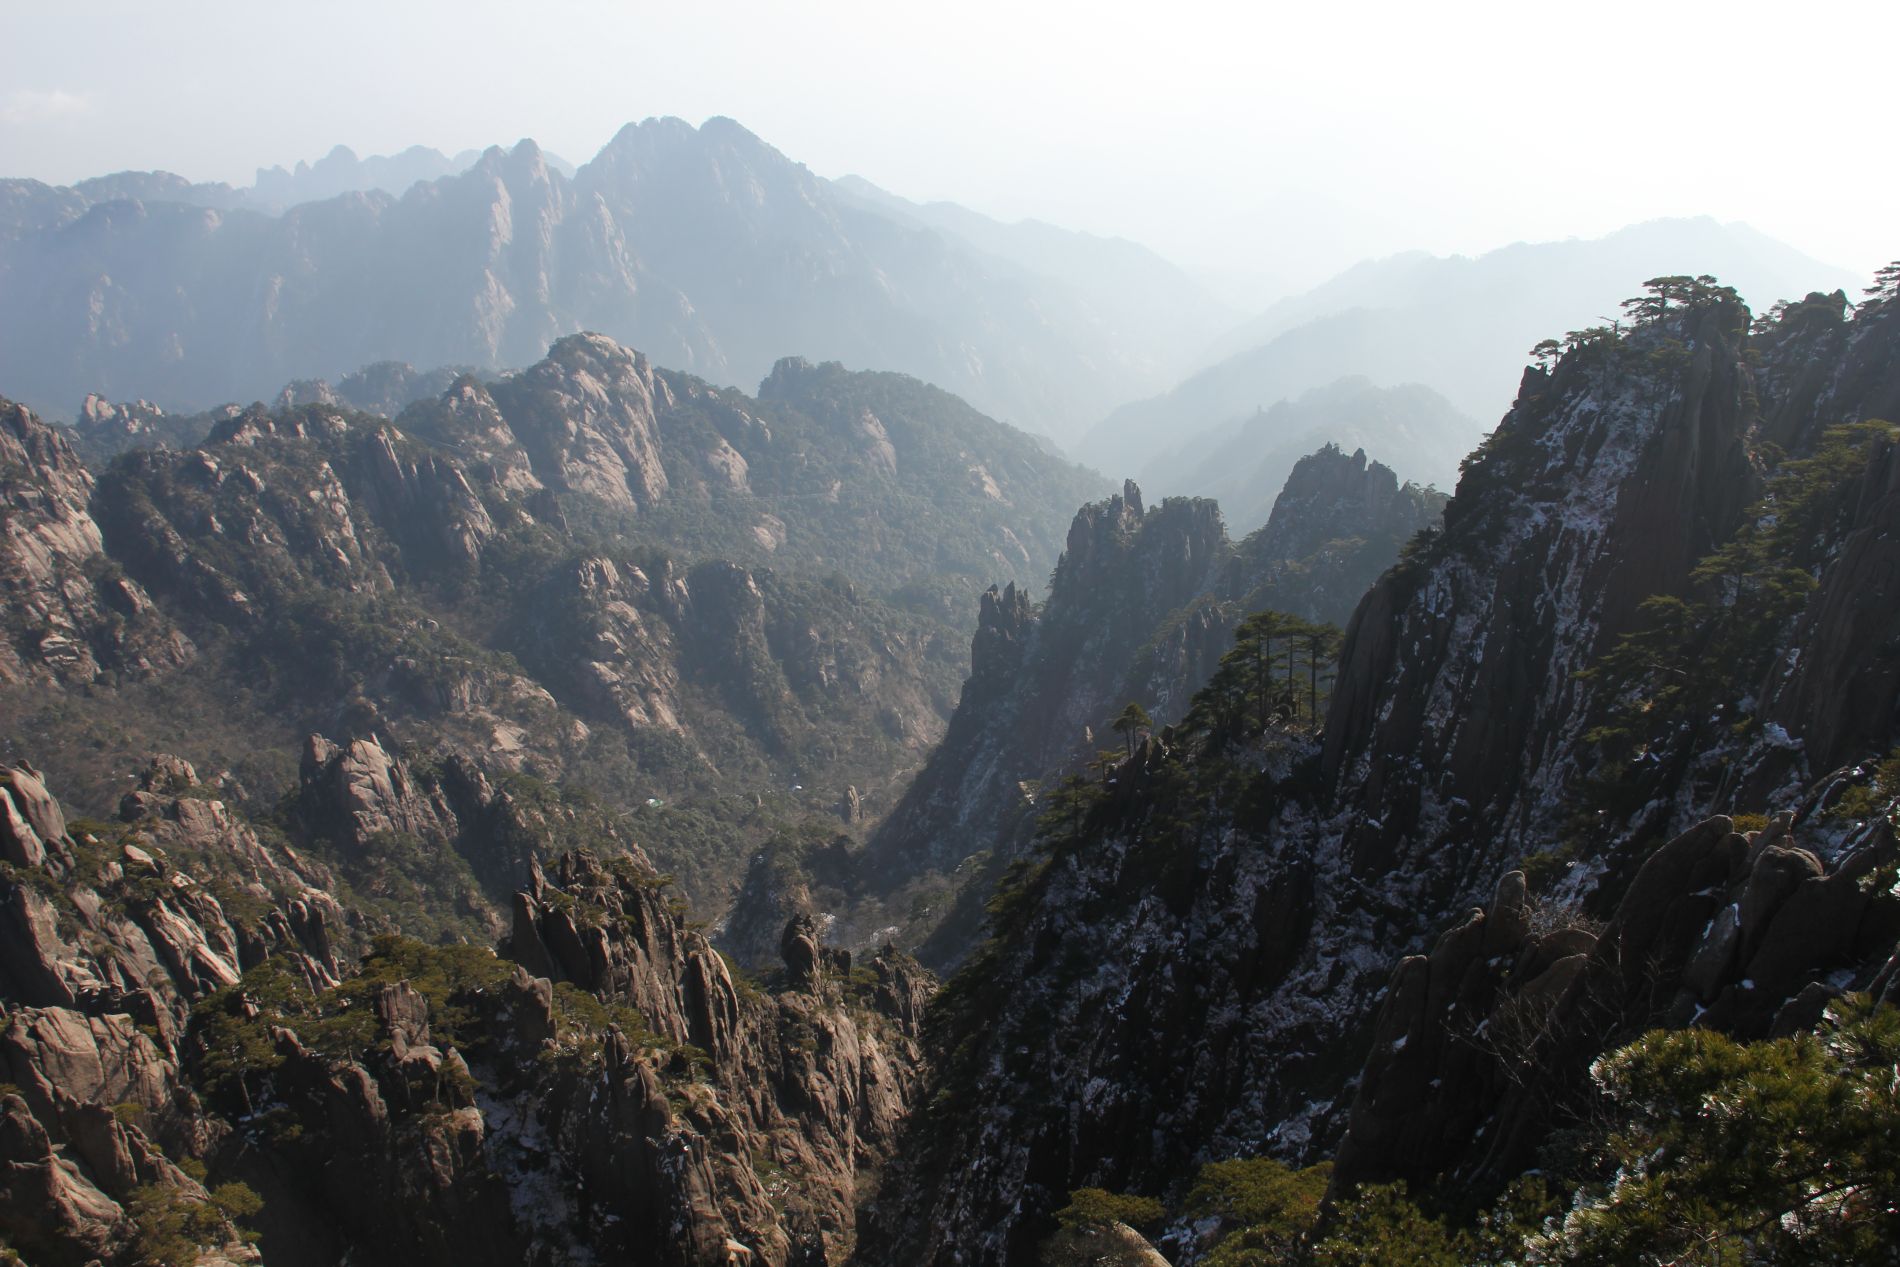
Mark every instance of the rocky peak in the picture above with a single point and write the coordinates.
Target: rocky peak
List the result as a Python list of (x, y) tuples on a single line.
[(256, 424), (795, 1080), (355, 792), (1004, 622), (586, 416), (1456, 746), (130, 418), (807, 960), (1099, 533), (1131, 497), (1329, 492)]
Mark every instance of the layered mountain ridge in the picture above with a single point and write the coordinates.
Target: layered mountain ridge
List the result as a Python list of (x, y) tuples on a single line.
[(1141, 608), (704, 246), (705, 600), (1454, 325)]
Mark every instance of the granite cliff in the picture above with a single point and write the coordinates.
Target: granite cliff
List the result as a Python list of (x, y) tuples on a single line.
[(1206, 944)]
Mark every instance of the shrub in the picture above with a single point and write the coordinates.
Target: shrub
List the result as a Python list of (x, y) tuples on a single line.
[(1096, 1207)]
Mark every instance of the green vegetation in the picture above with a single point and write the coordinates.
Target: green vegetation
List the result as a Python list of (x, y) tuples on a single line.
[(1729, 1153), (173, 1226), (1094, 1207), (304, 584), (235, 1056), (1130, 722), (1277, 676), (1703, 1152), (1266, 1210), (1875, 797), (1886, 287), (1157, 833), (1091, 1212)]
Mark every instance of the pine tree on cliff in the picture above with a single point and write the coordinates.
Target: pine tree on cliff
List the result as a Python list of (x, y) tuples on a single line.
[(1131, 721)]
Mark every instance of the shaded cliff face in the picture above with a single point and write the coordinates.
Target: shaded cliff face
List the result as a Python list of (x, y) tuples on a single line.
[(1191, 965), (1459, 708), (1339, 521), (185, 998), (1041, 680), (1483, 1047)]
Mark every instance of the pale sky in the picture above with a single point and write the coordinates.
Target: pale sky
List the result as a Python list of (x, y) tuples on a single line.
[(1270, 140)]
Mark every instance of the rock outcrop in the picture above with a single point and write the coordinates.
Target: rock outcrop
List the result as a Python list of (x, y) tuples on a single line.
[(105, 947), (71, 615), (620, 1092), (461, 579), (1484, 1045)]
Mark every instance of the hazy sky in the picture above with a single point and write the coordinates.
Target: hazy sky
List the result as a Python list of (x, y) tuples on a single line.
[(1280, 140)]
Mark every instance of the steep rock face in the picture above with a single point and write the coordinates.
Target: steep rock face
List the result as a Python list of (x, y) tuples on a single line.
[(1599, 489), (1841, 693), (441, 582), (426, 503), (357, 792), (625, 659), (621, 1094), (259, 507), (1041, 680), (136, 933), (1338, 522), (1254, 901), (797, 1083), (105, 949), (465, 417), (285, 527), (352, 555), (1820, 369), (70, 616)]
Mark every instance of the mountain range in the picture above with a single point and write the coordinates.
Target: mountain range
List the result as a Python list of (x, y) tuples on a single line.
[(1596, 778), (703, 246), (557, 806)]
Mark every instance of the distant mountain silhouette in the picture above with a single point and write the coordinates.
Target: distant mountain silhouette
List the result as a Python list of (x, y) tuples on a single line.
[(1245, 464), (1460, 326), (704, 245)]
